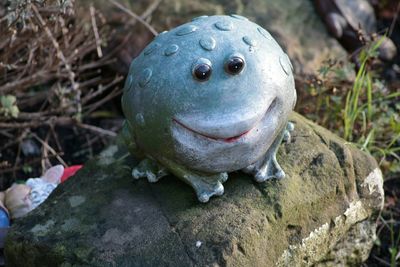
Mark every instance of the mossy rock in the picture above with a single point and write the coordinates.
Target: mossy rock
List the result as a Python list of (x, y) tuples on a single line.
[(322, 213)]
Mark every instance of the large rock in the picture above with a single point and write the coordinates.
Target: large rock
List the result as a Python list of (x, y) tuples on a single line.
[(294, 23), (322, 213)]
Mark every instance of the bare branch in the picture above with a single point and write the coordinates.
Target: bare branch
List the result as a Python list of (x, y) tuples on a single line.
[(96, 129), (95, 30), (52, 151), (135, 16)]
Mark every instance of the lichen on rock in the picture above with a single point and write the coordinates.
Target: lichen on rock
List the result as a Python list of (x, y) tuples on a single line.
[(323, 213)]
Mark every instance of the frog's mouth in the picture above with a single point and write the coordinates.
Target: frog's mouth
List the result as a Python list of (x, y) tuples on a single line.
[(228, 140), (228, 132)]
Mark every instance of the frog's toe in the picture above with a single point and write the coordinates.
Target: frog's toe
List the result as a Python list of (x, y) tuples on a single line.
[(204, 196), (269, 170), (150, 170), (261, 176), (290, 126), (280, 174), (151, 177), (264, 176), (287, 137), (219, 191), (223, 178), (154, 177), (137, 173)]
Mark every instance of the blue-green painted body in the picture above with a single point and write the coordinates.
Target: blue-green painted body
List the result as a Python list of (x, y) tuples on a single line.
[(199, 125)]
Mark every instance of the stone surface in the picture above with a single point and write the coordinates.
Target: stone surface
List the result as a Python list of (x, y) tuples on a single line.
[(293, 23), (322, 213)]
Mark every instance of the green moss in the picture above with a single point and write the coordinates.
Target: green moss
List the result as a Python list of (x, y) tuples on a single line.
[(135, 223)]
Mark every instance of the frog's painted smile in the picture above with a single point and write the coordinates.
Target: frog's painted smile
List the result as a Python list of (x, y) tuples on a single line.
[(228, 132), (228, 140)]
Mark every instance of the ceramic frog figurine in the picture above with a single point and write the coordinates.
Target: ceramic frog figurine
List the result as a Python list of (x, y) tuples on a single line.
[(207, 98)]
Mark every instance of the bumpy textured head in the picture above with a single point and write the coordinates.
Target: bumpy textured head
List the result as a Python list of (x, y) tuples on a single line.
[(212, 94)]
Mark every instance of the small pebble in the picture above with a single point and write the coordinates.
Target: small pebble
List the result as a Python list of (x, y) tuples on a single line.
[(198, 244)]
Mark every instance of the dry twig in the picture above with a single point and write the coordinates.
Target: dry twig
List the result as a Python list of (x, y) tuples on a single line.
[(135, 16), (96, 31), (97, 129), (55, 66), (47, 147)]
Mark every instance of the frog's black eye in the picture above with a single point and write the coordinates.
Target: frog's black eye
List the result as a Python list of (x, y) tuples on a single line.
[(202, 72), (234, 65)]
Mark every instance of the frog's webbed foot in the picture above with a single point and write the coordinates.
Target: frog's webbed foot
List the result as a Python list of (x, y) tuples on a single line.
[(205, 185), (265, 169), (149, 169), (268, 167)]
